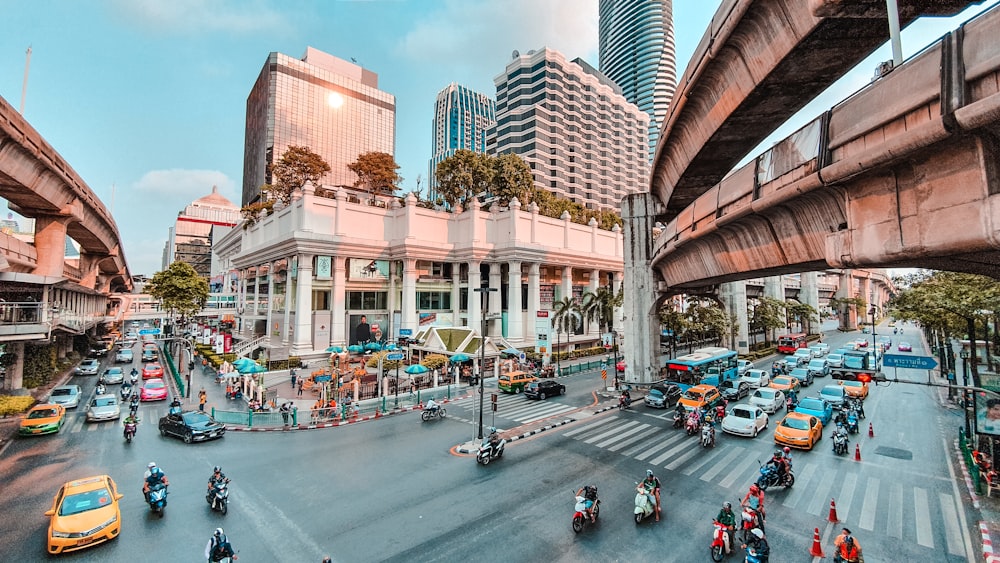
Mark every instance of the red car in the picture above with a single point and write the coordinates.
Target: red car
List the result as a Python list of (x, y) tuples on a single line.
[(153, 390), (152, 370), (905, 347), (620, 366)]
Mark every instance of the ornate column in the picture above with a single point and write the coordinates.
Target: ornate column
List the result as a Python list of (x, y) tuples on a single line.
[(567, 282), (286, 320), (303, 306), (475, 308), (534, 300), (495, 299), (515, 316), (409, 305), (338, 296), (456, 294), (270, 300)]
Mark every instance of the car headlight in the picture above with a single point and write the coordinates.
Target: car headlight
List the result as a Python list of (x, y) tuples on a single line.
[(58, 534)]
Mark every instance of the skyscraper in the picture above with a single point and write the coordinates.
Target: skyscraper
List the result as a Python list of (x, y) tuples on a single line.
[(581, 138), (190, 238), (327, 104), (636, 51), (462, 118)]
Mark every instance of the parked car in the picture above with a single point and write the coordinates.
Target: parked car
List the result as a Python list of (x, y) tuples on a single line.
[(815, 406), (769, 399), (113, 375), (84, 513), (104, 407), (818, 368), (124, 356), (835, 360), (904, 347), (743, 365), (43, 419), (88, 367), (662, 395), (734, 389), (756, 378), (798, 430), (191, 426), (803, 375), (745, 420), (700, 396), (543, 388), (66, 395), (833, 394)]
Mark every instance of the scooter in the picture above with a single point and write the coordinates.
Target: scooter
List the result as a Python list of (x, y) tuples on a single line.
[(679, 420), (130, 428), (753, 556), (721, 540), (580, 518), (624, 402), (643, 507), (840, 441), (158, 499), (691, 426), (852, 422), (489, 451), (750, 519), (769, 478), (101, 389), (126, 392), (428, 414), (218, 497), (707, 435)]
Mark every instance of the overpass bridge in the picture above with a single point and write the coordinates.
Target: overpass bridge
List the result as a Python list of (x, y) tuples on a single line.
[(861, 186)]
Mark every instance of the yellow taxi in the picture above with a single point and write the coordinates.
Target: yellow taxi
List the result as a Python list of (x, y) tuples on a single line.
[(43, 419), (858, 389), (785, 383), (84, 513), (699, 397), (798, 430), (515, 381)]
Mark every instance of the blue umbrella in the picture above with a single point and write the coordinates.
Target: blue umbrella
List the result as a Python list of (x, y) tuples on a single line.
[(391, 346), (244, 361), (355, 348), (254, 368), (460, 357), (335, 349), (416, 369), (512, 352)]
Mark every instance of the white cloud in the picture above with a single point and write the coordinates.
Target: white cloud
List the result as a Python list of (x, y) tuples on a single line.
[(195, 16), (184, 184), (478, 33)]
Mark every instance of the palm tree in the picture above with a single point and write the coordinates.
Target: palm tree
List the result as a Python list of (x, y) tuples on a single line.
[(600, 306), (566, 319)]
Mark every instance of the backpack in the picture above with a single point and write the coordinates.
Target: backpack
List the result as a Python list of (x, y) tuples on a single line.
[(222, 549)]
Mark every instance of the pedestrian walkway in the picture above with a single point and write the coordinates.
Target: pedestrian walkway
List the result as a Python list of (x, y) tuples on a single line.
[(514, 408)]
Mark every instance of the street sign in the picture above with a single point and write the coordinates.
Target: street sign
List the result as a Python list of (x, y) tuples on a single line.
[(406, 332), (150, 331), (907, 361), (395, 356), (323, 378), (522, 356)]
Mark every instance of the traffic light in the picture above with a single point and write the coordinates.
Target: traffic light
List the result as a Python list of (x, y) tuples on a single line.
[(864, 378)]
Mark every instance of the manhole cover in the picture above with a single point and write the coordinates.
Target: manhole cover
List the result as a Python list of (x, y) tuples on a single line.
[(894, 452)]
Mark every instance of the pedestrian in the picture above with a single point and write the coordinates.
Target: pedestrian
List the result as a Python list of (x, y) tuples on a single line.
[(284, 413), (202, 399), (292, 373), (300, 388)]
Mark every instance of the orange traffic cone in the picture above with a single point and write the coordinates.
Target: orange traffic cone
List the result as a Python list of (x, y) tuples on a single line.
[(857, 452), (817, 549), (377, 413), (833, 512), (871, 431)]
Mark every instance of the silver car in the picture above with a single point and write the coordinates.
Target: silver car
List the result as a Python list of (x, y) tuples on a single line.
[(113, 376), (104, 407), (88, 367), (66, 395)]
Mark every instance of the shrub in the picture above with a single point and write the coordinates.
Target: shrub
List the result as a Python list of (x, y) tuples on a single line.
[(386, 364), (39, 364), (10, 405), (434, 361)]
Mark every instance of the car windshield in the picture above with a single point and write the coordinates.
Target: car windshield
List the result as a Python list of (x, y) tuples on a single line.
[(61, 392), (154, 385), (800, 373), (796, 423), (782, 381), (192, 418), (764, 393), (853, 384), (832, 391), (82, 502), (104, 402), (753, 374), (43, 413), (740, 413), (811, 404), (693, 395), (655, 393)]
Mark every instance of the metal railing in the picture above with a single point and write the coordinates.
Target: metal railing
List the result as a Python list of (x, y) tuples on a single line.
[(170, 365), (21, 313), (970, 463)]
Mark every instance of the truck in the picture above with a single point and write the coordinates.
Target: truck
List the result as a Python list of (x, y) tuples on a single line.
[(857, 362)]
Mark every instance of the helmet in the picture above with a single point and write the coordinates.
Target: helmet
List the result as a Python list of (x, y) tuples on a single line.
[(787, 450), (151, 465), (217, 469), (218, 532), (649, 473), (156, 471), (727, 506), (758, 533), (754, 488), (777, 453), (849, 540), (492, 429)]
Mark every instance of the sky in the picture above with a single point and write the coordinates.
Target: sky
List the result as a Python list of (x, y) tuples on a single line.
[(146, 99)]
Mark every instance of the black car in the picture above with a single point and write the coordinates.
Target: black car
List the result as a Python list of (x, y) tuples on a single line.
[(543, 388), (191, 426), (734, 390), (662, 395)]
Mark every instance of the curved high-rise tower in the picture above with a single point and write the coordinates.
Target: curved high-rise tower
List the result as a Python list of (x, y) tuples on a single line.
[(637, 53)]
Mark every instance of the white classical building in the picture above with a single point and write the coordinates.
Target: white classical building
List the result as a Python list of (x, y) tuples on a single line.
[(312, 271)]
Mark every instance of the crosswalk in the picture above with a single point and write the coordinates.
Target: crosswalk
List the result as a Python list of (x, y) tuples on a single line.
[(879, 504), (148, 414), (514, 408)]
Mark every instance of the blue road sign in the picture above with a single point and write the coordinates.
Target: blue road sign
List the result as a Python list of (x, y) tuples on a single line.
[(394, 356), (323, 378), (406, 332), (907, 361), (150, 331)]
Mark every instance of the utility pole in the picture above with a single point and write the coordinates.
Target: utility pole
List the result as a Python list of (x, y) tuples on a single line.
[(24, 84)]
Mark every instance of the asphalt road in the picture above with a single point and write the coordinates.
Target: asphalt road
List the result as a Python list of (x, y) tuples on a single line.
[(391, 490)]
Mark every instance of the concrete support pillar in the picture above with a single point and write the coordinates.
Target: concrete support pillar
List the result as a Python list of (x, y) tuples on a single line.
[(534, 301), (475, 301), (14, 377), (641, 344), (409, 306), (848, 316), (515, 315), (734, 299), (302, 343), (287, 318), (89, 269), (50, 245), (809, 295), (338, 296), (495, 299), (456, 294)]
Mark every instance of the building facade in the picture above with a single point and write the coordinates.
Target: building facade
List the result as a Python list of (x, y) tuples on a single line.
[(462, 119), (189, 240), (636, 51), (329, 105), (581, 138), (309, 273)]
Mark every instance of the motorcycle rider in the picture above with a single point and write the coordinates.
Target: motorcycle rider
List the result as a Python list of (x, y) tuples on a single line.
[(728, 520), (156, 477), (218, 547), (680, 411), (625, 399), (130, 420), (219, 477), (134, 374), (780, 464), (652, 484), (431, 406), (133, 407), (759, 544), (175, 406), (848, 548), (589, 494), (755, 500), (788, 456)]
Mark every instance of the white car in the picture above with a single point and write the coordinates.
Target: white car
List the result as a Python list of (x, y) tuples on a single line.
[(66, 395), (817, 352), (756, 378), (743, 365), (745, 420), (835, 360), (768, 399), (88, 367), (822, 346)]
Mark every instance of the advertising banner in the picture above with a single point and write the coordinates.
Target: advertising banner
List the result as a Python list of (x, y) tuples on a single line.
[(543, 330), (987, 412), (364, 269)]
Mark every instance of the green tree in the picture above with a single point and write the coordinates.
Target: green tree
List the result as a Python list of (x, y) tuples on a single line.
[(376, 173), (675, 321), (296, 166), (463, 175), (180, 289), (844, 305), (511, 179), (599, 306), (707, 320), (766, 315), (566, 318), (804, 313)]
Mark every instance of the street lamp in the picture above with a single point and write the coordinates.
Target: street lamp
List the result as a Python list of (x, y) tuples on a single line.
[(964, 354), (483, 292), (874, 344)]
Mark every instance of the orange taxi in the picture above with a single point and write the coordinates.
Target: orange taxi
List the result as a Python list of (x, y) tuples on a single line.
[(785, 383), (798, 430), (84, 513), (857, 389), (43, 419), (699, 397)]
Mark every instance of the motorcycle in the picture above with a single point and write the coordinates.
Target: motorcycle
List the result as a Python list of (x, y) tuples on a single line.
[(218, 497), (790, 404), (840, 441), (753, 556), (750, 520), (130, 428), (133, 407), (707, 435), (858, 406), (643, 507), (678, 420), (624, 402), (852, 422), (691, 426), (101, 389), (126, 392), (489, 451), (769, 478), (580, 518), (428, 414), (720, 412), (721, 540), (158, 499)]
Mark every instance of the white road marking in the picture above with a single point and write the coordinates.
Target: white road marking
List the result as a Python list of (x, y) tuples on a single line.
[(922, 518), (867, 520)]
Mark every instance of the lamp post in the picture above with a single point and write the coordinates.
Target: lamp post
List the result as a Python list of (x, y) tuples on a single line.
[(874, 344), (483, 292), (964, 354)]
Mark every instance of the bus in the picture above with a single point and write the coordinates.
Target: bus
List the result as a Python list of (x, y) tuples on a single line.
[(789, 343), (705, 365)]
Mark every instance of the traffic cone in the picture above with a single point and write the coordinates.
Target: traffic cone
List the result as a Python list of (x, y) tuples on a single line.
[(871, 431), (817, 549), (377, 413), (857, 452), (833, 512)]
